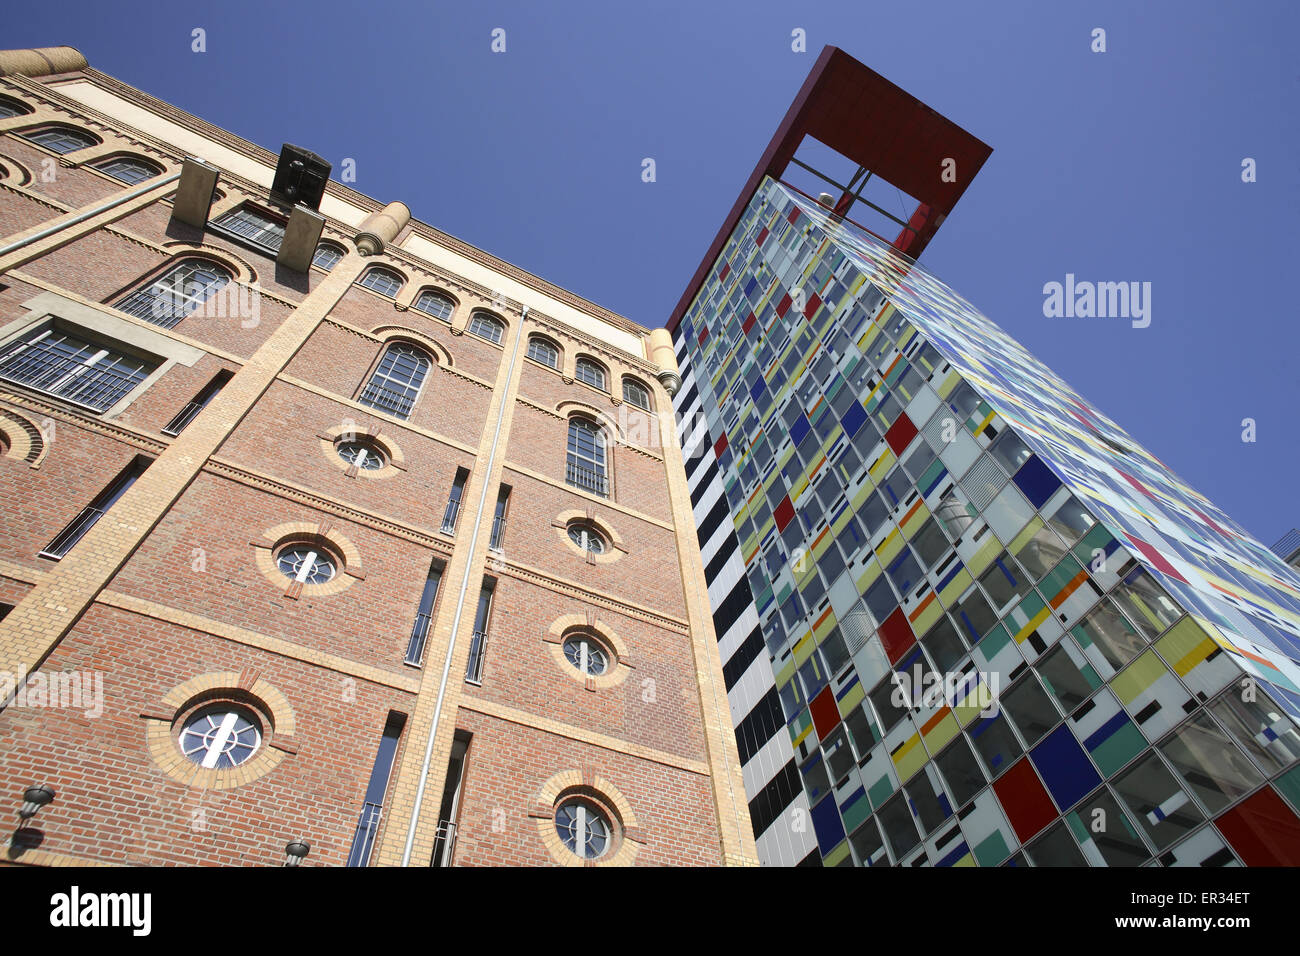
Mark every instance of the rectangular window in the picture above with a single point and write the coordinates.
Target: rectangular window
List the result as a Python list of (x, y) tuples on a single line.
[(363, 841), (499, 519), (444, 845), (86, 518), (254, 226), (478, 646), (199, 402), (67, 367), (424, 616), (452, 513)]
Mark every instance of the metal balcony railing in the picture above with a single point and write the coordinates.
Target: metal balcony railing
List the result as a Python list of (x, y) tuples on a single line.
[(474, 668), (419, 634), (398, 404), (363, 841), (588, 479), (449, 516), (444, 844), (498, 532), (67, 377), (71, 534), (183, 418)]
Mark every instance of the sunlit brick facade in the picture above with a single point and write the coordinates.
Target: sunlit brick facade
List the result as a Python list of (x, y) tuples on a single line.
[(391, 554)]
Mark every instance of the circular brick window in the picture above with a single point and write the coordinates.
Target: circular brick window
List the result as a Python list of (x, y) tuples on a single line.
[(587, 538), (367, 456), (221, 735), (306, 563), (587, 654), (584, 828)]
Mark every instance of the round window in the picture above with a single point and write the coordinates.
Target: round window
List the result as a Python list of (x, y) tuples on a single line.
[(220, 736), (362, 455), (586, 655), (587, 538), (583, 827), (306, 564)]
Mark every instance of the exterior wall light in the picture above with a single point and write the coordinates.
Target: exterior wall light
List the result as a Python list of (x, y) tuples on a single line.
[(296, 852), (35, 797)]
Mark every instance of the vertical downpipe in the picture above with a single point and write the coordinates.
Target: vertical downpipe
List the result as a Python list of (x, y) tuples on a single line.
[(460, 603)]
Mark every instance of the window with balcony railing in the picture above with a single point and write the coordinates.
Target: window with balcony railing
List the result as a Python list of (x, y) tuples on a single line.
[(372, 809), (71, 368), (495, 541), (586, 460), (192, 408), (253, 226), (179, 291), (451, 514), (424, 616), (478, 643), (395, 384), (85, 519)]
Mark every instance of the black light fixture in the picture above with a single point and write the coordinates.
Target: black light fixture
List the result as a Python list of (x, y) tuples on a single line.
[(300, 177), (296, 852), (35, 797)]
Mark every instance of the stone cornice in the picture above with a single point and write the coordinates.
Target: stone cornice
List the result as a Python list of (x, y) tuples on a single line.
[(296, 493), (335, 189), (22, 401)]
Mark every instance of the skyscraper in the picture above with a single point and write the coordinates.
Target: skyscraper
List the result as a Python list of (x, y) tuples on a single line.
[(327, 538), (964, 617)]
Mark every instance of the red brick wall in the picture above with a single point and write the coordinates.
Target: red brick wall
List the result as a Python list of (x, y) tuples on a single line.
[(520, 671), (507, 766), (115, 804)]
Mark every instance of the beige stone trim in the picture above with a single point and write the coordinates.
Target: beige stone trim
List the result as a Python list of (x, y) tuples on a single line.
[(277, 738), (238, 635), (376, 413), (29, 857), (617, 547), (388, 333), (25, 438), (394, 460), (595, 500), (344, 553), (582, 735), (110, 311), (731, 807), (627, 837), (569, 625)]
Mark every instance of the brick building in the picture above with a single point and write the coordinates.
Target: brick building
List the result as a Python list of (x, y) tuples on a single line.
[(323, 526)]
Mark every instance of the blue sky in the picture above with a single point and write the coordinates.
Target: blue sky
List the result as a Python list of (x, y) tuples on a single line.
[(1115, 166)]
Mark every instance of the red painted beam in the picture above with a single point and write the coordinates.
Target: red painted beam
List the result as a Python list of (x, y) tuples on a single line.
[(861, 115)]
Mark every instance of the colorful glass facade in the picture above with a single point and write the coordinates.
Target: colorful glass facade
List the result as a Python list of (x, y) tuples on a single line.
[(912, 493)]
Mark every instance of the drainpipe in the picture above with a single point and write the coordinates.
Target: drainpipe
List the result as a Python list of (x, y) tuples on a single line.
[(85, 214), (460, 605)]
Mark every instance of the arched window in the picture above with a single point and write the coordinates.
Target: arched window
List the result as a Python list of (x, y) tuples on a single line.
[(182, 289), (435, 304), (634, 393), (540, 350), (11, 107), (128, 169), (60, 139), (252, 224), (397, 379), (327, 256), (384, 281), (486, 327), (586, 462), (590, 372)]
